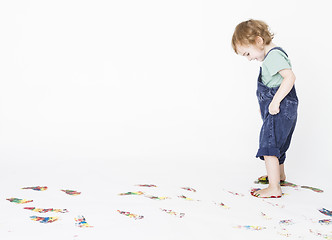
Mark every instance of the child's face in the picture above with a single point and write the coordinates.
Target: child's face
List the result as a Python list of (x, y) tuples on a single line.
[(251, 52)]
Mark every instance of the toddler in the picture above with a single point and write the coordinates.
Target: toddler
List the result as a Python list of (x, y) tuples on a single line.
[(276, 97)]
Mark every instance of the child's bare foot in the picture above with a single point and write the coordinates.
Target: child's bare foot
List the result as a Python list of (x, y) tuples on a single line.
[(268, 192)]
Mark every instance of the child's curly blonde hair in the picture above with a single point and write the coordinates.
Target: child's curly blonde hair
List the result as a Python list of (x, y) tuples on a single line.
[(247, 31)]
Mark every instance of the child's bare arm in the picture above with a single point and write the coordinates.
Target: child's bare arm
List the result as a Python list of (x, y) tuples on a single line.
[(285, 87)]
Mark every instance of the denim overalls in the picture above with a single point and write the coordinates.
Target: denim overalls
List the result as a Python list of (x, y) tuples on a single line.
[(277, 130)]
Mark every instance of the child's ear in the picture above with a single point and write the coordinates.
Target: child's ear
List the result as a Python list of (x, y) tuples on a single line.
[(259, 41)]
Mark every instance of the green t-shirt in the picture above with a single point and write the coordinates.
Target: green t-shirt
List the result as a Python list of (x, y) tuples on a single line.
[(274, 62)]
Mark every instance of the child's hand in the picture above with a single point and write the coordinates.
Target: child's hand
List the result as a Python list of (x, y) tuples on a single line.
[(274, 107)]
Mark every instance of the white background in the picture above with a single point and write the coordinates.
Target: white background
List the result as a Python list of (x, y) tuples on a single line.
[(128, 79), (153, 89)]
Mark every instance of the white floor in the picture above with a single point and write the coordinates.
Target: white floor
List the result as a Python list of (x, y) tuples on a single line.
[(100, 182)]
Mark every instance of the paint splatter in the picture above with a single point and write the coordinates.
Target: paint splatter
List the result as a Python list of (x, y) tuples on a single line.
[(41, 210), (156, 198), (325, 211), (262, 180), (284, 233), (325, 236), (248, 227), (265, 216), (235, 193), (288, 184), (131, 215), (38, 188), (313, 189), (81, 222), (325, 221), (188, 189), (171, 212), (131, 193), (19, 201), (222, 205), (71, 192), (286, 222), (186, 198), (146, 185), (274, 204), (44, 219)]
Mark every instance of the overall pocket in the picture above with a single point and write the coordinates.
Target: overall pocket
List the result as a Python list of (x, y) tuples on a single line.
[(290, 109)]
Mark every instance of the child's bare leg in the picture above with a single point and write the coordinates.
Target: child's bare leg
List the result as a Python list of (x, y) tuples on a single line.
[(273, 172), (282, 173)]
